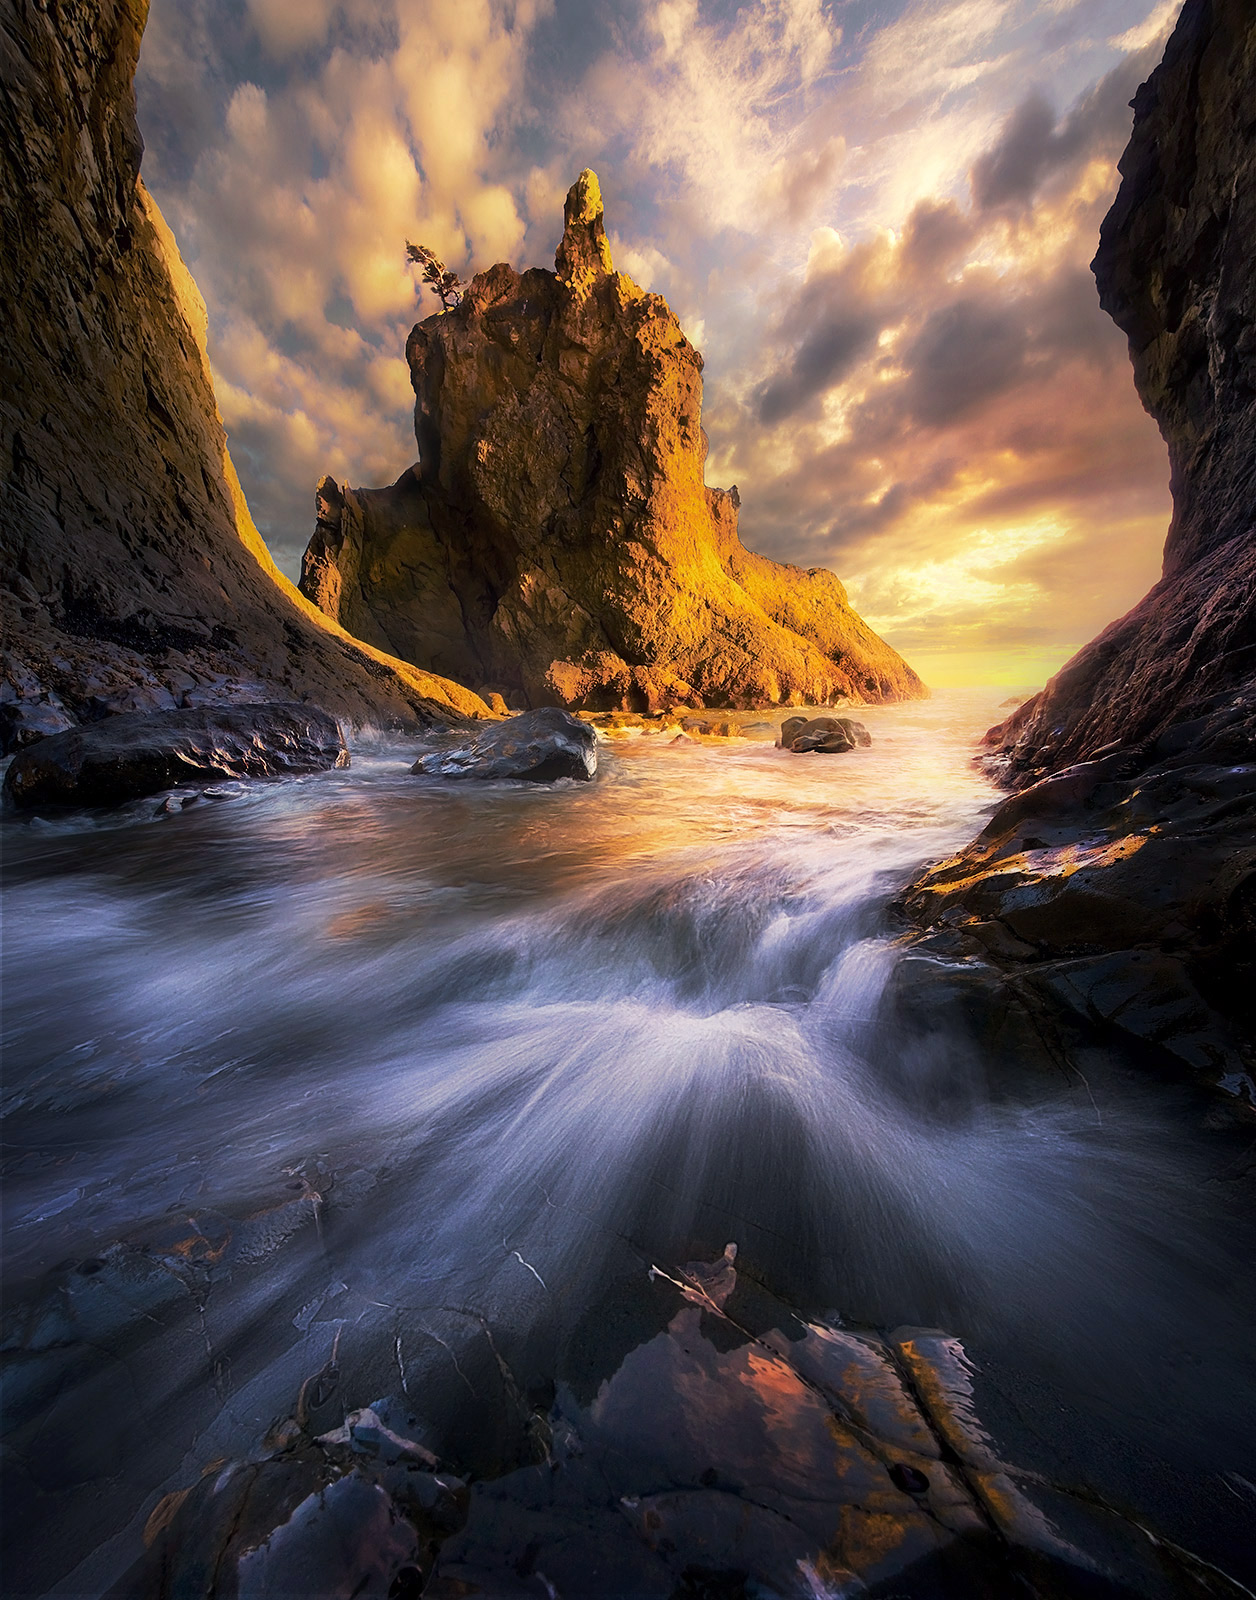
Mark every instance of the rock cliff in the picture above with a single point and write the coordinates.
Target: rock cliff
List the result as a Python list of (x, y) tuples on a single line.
[(1117, 891), (557, 542), (1174, 270), (133, 577)]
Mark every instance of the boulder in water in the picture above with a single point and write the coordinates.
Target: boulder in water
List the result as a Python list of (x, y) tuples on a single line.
[(825, 735), (126, 757), (538, 746)]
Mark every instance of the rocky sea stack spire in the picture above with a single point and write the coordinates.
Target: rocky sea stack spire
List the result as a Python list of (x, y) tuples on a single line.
[(583, 255), (556, 542)]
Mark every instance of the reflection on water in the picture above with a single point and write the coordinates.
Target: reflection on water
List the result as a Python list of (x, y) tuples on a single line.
[(404, 1086)]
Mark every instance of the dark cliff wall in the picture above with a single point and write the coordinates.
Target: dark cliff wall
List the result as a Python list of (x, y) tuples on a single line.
[(132, 573), (1175, 270), (557, 541)]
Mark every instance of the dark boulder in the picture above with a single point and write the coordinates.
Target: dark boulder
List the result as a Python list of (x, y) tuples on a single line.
[(539, 745), (125, 757)]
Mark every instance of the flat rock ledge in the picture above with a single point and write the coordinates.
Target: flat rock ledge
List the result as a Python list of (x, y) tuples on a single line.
[(129, 756), (538, 746)]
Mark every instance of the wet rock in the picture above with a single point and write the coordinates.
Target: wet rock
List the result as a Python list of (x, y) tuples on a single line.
[(538, 746), (557, 535), (126, 757), (24, 722), (1126, 904), (140, 697), (331, 1518), (825, 735)]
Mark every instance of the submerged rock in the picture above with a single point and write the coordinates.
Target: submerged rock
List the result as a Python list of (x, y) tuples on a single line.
[(126, 757), (557, 536), (539, 746), (744, 1450)]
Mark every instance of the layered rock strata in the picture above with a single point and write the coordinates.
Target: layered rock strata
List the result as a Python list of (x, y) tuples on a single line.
[(131, 575), (1118, 890), (556, 541)]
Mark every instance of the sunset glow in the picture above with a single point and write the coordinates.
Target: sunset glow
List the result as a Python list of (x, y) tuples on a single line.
[(874, 218)]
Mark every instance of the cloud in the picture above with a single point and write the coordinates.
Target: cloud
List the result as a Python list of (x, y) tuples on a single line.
[(1013, 168), (359, 125), (286, 26), (1153, 30), (825, 356), (1035, 145), (879, 238)]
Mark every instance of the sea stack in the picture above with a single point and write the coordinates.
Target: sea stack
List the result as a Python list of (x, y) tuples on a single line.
[(556, 541)]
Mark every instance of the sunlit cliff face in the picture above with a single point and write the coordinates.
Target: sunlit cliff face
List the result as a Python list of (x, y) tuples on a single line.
[(875, 217)]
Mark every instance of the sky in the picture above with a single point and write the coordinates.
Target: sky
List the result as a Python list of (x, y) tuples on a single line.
[(873, 217)]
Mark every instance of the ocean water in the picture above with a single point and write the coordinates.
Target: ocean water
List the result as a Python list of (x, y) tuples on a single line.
[(390, 1081)]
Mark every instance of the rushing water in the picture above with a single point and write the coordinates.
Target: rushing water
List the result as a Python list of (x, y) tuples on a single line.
[(378, 1064)]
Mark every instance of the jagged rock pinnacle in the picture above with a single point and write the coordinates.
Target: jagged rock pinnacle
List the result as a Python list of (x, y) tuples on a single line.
[(558, 542), (584, 255)]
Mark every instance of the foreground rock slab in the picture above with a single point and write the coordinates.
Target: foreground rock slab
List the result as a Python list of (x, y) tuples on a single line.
[(735, 1449), (127, 757), (539, 746), (355, 1512)]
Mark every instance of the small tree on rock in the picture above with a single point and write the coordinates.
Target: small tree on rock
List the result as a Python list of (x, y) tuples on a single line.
[(446, 285)]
